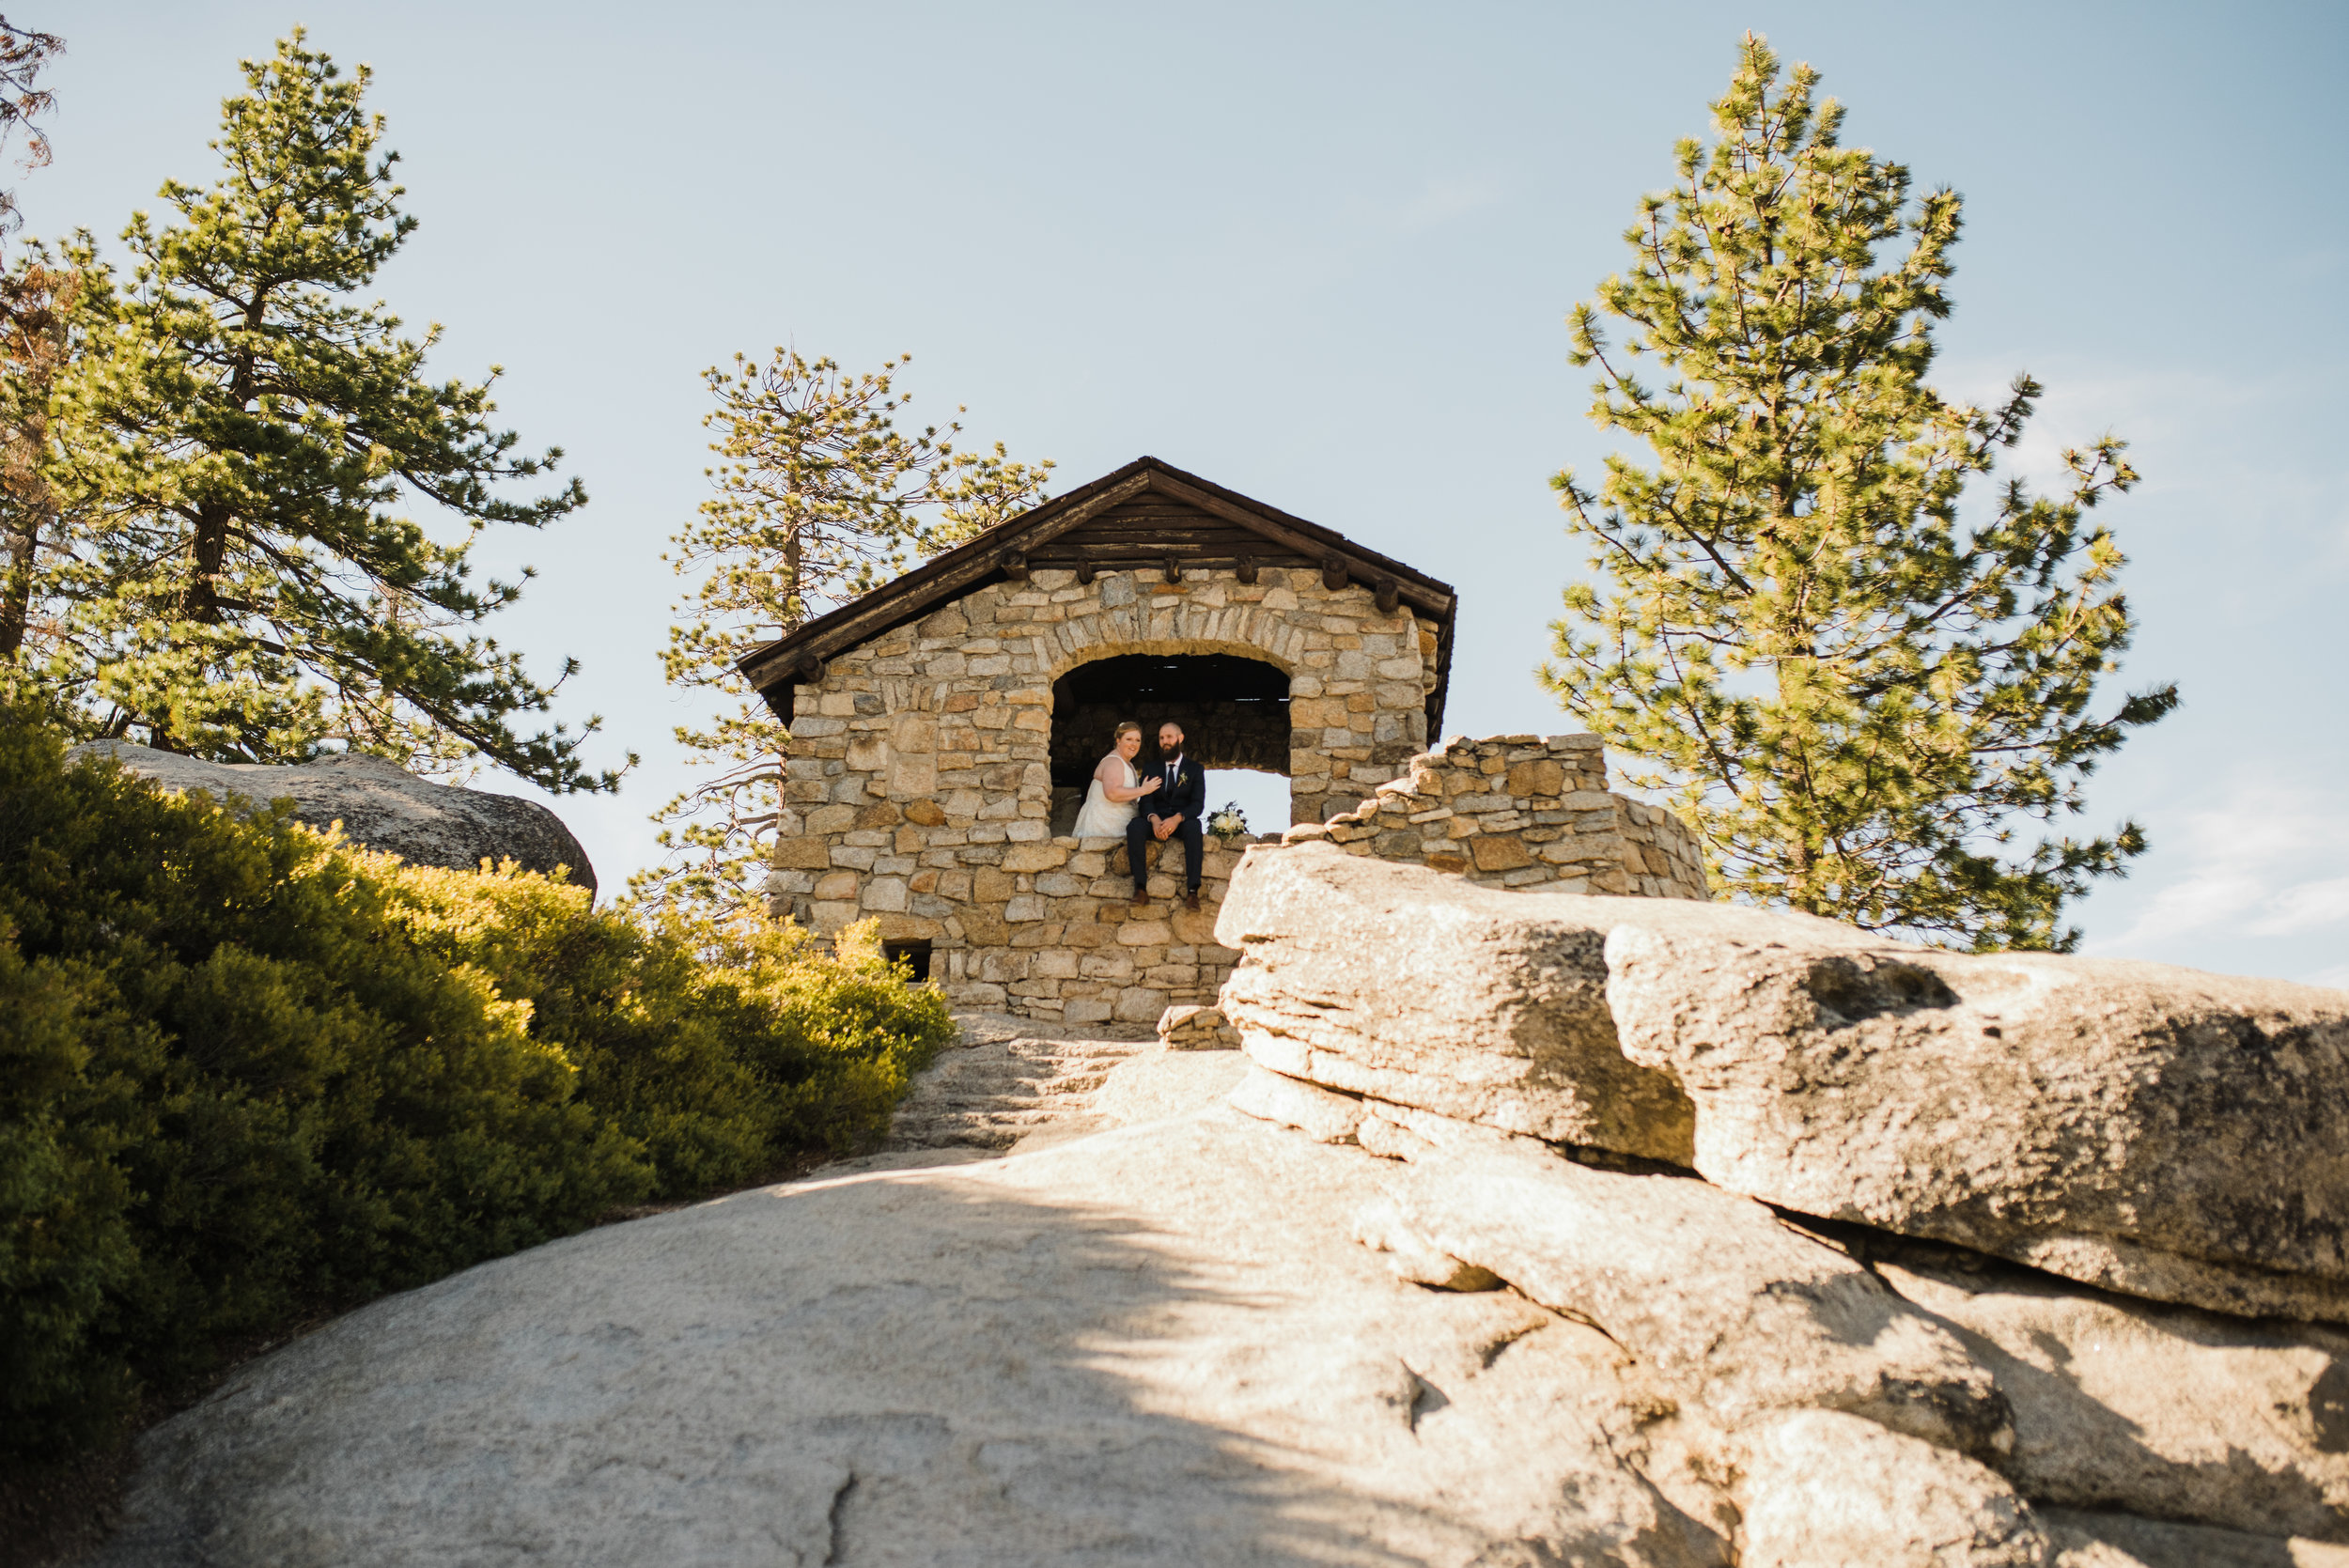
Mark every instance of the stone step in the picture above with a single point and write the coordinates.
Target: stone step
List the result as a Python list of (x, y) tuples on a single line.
[(990, 1065), (1047, 1106), (988, 1084), (1002, 1080)]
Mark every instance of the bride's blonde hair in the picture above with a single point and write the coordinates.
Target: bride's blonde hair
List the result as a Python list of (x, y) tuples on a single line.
[(1120, 730)]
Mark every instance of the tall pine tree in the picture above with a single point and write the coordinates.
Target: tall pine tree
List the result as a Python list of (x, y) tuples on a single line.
[(40, 302), (244, 443), (1860, 683), (44, 312), (819, 497)]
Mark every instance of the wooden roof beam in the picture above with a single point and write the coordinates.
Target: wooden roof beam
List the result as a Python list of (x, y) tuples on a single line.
[(1355, 566), (1013, 546), (980, 564)]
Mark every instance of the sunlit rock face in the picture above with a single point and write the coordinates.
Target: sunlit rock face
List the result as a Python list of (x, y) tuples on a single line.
[(382, 806), (2173, 1135), (1477, 1256)]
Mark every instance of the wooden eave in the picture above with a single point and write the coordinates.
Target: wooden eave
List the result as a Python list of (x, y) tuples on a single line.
[(1037, 539)]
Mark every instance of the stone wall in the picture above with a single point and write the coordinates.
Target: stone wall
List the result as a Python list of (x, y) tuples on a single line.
[(920, 789), (920, 782), (1521, 811)]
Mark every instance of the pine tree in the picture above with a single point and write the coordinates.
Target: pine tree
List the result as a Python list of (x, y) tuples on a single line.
[(242, 440), (1855, 679), (43, 315), (819, 497), (39, 303)]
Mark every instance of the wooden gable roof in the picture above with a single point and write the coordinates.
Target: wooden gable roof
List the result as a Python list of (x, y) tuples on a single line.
[(1148, 515)]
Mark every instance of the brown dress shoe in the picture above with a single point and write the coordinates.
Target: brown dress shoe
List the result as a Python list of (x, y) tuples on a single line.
[(1190, 900), (1141, 899)]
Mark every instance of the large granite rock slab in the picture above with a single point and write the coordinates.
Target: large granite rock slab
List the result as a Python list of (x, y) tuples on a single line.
[(2152, 1130), (1156, 1346), (382, 806), (2157, 1131), (2141, 1407), (1425, 990), (1163, 1343), (1724, 1306)]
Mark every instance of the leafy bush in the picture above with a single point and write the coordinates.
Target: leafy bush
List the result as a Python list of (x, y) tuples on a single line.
[(719, 1044), (248, 1071)]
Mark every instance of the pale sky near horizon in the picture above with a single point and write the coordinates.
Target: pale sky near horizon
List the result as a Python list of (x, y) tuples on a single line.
[(1321, 254)]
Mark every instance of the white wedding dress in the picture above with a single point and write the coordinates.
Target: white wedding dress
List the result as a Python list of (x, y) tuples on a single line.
[(1103, 817)]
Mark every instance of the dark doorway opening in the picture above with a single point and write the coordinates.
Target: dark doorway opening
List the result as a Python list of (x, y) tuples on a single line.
[(915, 952), (1233, 710)]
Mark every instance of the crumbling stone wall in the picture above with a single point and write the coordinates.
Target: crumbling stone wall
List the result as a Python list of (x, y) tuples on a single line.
[(1522, 811)]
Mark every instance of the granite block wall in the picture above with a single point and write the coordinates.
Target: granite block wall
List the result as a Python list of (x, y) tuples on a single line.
[(920, 792), (919, 789), (1522, 811)]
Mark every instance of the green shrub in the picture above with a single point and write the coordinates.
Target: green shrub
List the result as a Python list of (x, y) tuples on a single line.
[(721, 1047), (837, 1040), (234, 1090), (65, 1242), (248, 1071)]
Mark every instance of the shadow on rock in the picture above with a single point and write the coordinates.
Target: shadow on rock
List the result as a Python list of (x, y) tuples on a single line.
[(2164, 1411), (996, 1364)]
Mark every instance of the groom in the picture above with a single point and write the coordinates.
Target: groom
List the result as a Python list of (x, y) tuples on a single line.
[(1174, 810)]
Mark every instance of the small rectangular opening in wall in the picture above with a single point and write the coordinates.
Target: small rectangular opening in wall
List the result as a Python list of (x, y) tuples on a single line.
[(915, 952)]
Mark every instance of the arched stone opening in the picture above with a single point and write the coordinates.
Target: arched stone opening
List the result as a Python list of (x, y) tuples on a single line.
[(1233, 710)]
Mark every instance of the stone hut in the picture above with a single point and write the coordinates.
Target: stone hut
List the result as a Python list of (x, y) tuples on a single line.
[(943, 726)]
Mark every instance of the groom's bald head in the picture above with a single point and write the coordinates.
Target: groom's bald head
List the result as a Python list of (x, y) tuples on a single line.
[(1169, 736)]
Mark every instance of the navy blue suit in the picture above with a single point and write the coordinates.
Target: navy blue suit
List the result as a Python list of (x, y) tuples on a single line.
[(1186, 799)]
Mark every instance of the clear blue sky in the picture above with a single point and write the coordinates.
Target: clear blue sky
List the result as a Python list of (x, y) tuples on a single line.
[(1320, 252)]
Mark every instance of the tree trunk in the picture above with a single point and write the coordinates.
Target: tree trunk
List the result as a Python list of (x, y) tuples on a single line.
[(793, 612), (33, 307), (210, 545), (210, 551), (16, 598)]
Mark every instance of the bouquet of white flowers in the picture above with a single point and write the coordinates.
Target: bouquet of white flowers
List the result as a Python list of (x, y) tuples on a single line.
[(1229, 823)]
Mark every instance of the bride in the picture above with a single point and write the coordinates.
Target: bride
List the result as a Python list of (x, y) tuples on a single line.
[(1110, 803)]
